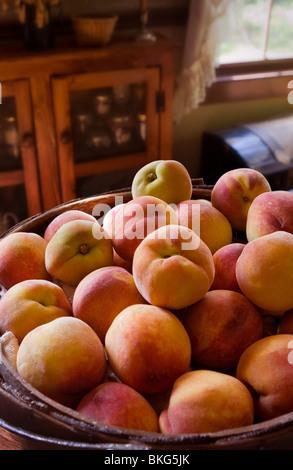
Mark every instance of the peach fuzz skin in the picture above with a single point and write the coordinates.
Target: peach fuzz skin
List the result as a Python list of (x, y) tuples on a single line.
[(102, 295), (61, 219), (210, 224), (117, 404), (147, 348), (31, 303), (157, 179), (22, 256), (270, 212), (266, 369), (63, 359), (225, 260), (173, 268), (77, 248), (264, 271), (220, 327), (204, 401), (234, 192), (134, 220)]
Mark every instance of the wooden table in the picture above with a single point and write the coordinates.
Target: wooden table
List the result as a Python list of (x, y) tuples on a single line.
[(10, 441)]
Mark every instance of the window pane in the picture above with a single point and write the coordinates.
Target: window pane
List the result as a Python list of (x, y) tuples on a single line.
[(280, 41), (245, 33)]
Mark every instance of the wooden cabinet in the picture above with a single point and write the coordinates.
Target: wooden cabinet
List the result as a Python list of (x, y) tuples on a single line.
[(19, 182), (59, 92)]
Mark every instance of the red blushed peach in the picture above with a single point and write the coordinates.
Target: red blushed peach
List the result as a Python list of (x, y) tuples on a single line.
[(132, 222), (61, 219), (220, 327), (225, 267), (31, 303), (63, 359), (234, 192), (204, 401), (102, 295), (117, 404), (173, 268), (147, 348), (270, 212), (264, 271), (208, 223), (22, 256), (266, 368)]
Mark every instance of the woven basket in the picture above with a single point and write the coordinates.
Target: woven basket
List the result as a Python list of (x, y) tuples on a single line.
[(94, 30), (43, 423)]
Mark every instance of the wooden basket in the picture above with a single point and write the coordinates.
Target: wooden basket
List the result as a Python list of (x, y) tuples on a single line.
[(43, 423), (94, 30)]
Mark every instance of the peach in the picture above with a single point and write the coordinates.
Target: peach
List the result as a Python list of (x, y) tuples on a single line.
[(77, 248), (266, 368), (172, 267), (234, 192), (64, 217), (204, 401), (147, 348), (270, 212), (102, 295), (157, 179), (264, 271), (134, 220), (31, 303), (221, 326), (117, 404), (22, 256), (63, 359), (207, 222), (225, 260)]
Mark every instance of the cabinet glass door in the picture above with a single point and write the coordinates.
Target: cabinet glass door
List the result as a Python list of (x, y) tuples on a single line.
[(107, 127), (19, 187)]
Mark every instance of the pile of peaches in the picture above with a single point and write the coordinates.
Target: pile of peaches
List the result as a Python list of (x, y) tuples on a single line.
[(153, 318)]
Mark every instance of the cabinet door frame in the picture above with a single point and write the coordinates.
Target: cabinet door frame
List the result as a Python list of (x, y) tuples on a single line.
[(28, 175), (62, 86)]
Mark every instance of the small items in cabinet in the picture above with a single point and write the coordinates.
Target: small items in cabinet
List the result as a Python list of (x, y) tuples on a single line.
[(10, 157)]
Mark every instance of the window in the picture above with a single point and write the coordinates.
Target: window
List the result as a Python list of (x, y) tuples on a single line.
[(259, 30)]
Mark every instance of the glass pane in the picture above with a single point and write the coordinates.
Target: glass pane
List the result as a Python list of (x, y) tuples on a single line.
[(10, 157), (108, 121), (280, 41), (244, 36), (13, 206)]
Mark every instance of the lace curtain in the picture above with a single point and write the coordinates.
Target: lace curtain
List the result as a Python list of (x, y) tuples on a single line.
[(200, 53)]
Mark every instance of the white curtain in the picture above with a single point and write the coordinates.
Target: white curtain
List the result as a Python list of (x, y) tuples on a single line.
[(200, 54)]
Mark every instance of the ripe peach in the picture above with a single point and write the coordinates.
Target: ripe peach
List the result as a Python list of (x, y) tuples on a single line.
[(31, 303), (264, 271), (234, 192), (147, 348), (172, 267), (266, 368), (134, 220), (220, 327), (63, 359), (117, 404), (76, 249), (270, 212), (64, 217), (225, 267), (102, 295), (208, 223), (204, 401), (157, 179), (22, 256)]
